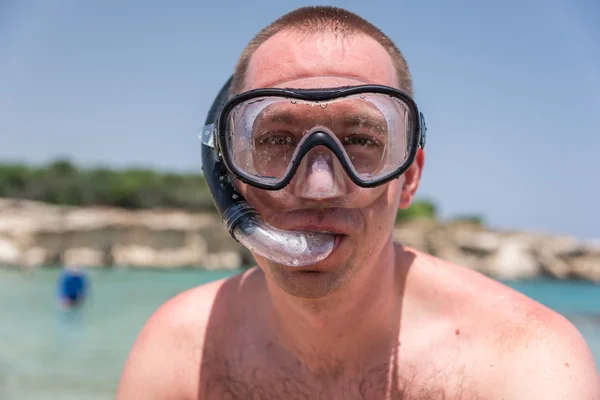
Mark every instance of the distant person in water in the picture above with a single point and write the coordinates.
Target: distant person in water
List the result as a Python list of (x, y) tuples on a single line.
[(72, 287)]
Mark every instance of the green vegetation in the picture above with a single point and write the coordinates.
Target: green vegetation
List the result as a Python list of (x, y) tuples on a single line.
[(419, 209), (469, 219), (61, 182)]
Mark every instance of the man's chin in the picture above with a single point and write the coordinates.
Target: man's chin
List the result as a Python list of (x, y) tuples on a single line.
[(308, 283)]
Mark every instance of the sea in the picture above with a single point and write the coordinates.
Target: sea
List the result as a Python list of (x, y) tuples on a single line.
[(47, 353)]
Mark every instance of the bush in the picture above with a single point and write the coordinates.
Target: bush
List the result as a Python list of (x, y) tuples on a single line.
[(469, 219), (418, 209), (63, 183)]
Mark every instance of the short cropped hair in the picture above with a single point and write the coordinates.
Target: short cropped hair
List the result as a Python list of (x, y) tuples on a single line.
[(322, 19)]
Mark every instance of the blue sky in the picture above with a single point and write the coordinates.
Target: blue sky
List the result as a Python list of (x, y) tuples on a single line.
[(510, 90)]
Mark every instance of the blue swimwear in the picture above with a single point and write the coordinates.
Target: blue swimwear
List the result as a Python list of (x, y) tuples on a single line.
[(72, 286)]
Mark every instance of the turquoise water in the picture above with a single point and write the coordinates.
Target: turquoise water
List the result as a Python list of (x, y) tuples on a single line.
[(48, 354)]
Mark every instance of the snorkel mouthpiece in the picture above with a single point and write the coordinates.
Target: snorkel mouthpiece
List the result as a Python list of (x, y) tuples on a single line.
[(292, 248), (244, 223)]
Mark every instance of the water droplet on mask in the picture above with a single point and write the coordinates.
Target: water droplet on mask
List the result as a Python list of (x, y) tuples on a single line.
[(268, 158), (346, 138), (294, 262), (324, 106)]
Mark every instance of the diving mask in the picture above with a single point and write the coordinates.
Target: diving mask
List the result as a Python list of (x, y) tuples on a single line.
[(369, 134)]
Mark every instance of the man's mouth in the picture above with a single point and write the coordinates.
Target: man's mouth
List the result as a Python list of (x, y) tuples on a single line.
[(329, 229), (336, 233), (334, 221), (337, 223), (338, 236), (323, 265)]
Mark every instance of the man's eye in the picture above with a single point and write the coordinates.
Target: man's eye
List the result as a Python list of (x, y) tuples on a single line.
[(356, 140), (277, 140)]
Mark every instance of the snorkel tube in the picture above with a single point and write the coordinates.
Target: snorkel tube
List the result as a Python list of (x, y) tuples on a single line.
[(244, 223)]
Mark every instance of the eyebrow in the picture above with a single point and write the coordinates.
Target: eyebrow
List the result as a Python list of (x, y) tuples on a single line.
[(285, 116), (367, 119)]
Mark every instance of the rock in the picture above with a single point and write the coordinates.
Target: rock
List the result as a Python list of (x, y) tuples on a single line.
[(227, 260), (84, 257), (36, 256), (592, 246), (587, 267), (552, 264), (513, 260), (479, 243), (439, 241), (9, 253), (135, 256), (40, 234), (563, 246), (413, 234), (454, 255), (555, 254)]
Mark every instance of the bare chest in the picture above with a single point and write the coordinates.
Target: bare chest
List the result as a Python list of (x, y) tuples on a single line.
[(233, 381)]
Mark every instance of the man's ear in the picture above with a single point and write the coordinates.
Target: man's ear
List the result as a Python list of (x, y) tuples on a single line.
[(412, 178)]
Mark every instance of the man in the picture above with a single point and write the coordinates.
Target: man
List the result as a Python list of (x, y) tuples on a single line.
[(375, 319)]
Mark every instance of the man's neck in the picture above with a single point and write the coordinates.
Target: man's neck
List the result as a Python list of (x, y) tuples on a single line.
[(365, 311)]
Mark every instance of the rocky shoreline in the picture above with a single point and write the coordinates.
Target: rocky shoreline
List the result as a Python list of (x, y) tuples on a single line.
[(36, 234)]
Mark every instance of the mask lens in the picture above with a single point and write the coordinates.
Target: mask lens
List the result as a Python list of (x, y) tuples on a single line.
[(264, 135)]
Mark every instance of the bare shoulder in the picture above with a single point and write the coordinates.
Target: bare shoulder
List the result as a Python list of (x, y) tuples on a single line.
[(540, 354), (551, 353), (164, 361), (517, 337)]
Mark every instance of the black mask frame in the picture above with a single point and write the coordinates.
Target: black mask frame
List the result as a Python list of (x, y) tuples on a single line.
[(417, 134)]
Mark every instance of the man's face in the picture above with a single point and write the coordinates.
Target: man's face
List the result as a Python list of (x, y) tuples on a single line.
[(362, 218)]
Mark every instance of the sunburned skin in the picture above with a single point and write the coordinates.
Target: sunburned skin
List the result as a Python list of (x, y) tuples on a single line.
[(262, 368)]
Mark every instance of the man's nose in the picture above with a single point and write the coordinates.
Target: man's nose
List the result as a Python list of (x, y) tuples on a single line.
[(319, 179)]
